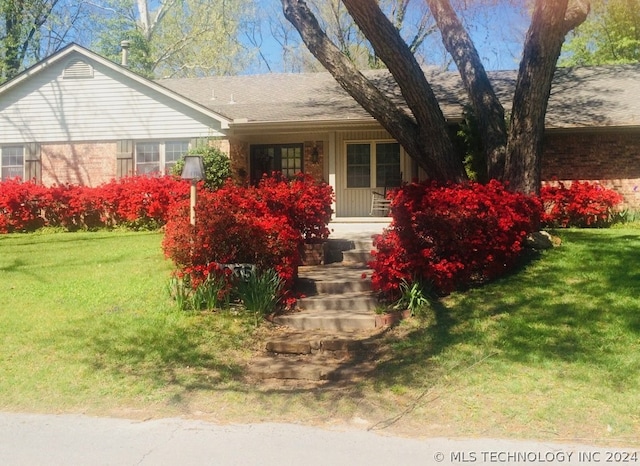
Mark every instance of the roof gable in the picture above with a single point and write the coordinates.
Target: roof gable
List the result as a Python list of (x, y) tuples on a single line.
[(74, 54), (580, 97)]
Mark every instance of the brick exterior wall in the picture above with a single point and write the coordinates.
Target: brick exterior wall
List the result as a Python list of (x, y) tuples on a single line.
[(89, 164), (609, 157), (239, 157), (313, 163)]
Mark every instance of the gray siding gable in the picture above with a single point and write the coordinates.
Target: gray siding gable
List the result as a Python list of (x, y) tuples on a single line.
[(110, 104)]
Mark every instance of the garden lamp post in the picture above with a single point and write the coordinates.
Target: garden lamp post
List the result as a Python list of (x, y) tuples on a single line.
[(193, 170)]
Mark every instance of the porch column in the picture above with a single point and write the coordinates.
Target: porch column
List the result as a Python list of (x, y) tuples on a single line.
[(332, 169)]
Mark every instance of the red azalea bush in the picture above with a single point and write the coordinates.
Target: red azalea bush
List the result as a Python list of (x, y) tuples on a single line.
[(73, 207), (582, 204), (20, 206), (232, 226), (305, 202), (136, 202), (263, 225), (142, 202), (452, 235)]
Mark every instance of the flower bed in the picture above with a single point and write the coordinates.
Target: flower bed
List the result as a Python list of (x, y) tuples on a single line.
[(452, 235)]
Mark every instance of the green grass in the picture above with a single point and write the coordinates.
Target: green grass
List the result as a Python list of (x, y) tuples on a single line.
[(85, 318), (550, 352)]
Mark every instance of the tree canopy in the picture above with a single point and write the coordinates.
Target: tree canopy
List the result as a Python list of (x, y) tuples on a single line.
[(174, 38), (611, 35), (32, 29)]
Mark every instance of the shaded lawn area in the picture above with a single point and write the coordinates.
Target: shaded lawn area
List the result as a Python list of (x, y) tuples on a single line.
[(551, 352), (86, 318)]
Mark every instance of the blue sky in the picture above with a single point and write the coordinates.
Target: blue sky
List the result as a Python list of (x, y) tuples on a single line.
[(497, 31)]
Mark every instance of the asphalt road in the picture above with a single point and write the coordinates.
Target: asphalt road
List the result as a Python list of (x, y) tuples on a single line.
[(33, 439)]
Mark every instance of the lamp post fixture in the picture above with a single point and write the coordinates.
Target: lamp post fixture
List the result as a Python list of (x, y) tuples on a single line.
[(193, 170)]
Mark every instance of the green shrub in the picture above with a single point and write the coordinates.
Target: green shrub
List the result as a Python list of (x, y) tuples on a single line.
[(217, 166), (212, 293)]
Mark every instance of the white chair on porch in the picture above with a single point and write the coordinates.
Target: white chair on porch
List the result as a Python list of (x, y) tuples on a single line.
[(380, 205)]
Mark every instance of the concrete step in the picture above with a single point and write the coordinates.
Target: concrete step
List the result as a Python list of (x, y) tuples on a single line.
[(316, 356), (336, 344), (340, 244), (357, 301), (336, 249), (312, 369), (334, 320), (357, 257), (333, 279), (296, 368), (310, 287)]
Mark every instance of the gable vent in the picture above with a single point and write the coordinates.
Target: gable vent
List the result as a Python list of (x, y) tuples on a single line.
[(77, 69)]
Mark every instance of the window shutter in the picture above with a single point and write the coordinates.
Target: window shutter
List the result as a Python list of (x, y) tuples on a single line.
[(32, 162), (124, 159)]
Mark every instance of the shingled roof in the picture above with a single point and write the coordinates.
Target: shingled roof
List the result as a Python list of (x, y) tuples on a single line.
[(581, 97)]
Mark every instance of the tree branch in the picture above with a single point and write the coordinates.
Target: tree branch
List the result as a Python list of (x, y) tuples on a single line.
[(395, 53), (396, 121), (577, 12), (486, 107)]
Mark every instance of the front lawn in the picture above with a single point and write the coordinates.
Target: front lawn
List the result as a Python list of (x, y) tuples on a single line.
[(86, 320), (553, 352)]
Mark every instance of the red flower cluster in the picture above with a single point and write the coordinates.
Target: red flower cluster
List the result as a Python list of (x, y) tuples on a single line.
[(452, 235), (20, 206), (306, 203), (582, 204), (135, 202), (264, 225)]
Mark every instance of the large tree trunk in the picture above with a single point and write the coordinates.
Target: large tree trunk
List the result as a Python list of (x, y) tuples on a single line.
[(389, 46), (424, 137), (551, 21), (485, 104)]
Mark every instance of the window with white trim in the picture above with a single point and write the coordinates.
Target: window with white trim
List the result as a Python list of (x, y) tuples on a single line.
[(358, 165), (158, 158), (12, 162), (373, 164)]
